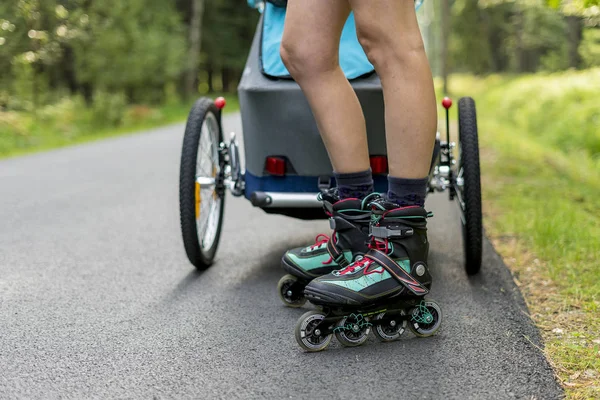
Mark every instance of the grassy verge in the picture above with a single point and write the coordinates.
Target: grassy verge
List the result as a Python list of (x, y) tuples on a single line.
[(540, 143), (69, 122)]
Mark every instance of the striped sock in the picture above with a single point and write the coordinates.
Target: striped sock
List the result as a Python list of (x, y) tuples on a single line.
[(357, 184), (407, 192)]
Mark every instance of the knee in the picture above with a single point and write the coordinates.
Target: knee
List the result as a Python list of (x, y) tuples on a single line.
[(304, 59), (289, 55), (385, 49)]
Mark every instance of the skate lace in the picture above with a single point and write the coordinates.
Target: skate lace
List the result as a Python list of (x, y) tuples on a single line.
[(354, 266), (381, 245), (320, 240), (360, 264)]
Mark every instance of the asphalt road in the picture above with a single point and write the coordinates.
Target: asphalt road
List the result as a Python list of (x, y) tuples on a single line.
[(97, 299)]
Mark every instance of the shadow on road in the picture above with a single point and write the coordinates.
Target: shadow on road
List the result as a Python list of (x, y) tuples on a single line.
[(192, 279), (268, 264)]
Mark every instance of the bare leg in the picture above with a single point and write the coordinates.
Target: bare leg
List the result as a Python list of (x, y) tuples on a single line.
[(310, 49), (389, 33)]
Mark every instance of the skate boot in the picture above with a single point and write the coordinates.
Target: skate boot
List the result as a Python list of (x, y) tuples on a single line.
[(383, 290), (349, 220)]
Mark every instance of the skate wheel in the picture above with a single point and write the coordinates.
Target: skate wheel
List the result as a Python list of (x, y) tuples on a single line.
[(426, 318), (353, 330), (291, 292), (390, 330), (307, 336)]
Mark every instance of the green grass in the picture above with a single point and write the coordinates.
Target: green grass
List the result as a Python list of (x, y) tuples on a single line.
[(68, 122), (540, 142)]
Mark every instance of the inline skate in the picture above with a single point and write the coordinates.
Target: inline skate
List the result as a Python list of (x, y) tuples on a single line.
[(349, 220), (383, 291)]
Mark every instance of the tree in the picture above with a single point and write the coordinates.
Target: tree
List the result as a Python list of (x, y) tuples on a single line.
[(195, 42), (577, 14), (134, 47), (517, 36), (228, 33), (445, 42)]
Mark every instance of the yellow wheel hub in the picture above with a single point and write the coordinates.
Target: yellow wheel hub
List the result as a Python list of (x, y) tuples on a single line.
[(214, 174), (198, 198)]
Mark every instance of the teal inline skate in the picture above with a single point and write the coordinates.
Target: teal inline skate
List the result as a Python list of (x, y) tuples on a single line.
[(349, 219), (383, 291)]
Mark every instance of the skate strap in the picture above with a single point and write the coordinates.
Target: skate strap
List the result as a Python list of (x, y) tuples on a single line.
[(397, 272), (366, 216), (328, 207), (384, 232), (342, 215), (337, 255), (342, 223)]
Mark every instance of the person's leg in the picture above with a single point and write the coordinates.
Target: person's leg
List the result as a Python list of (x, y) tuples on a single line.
[(310, 51), (389, 33)]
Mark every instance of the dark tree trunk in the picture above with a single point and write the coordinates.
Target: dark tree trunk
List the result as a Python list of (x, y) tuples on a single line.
[(495, 42), (131, 94), (225, 78), (575, 36), (87, 90), (444, 56), (195, 41), (521, 54), (68, 69), (210, 76)]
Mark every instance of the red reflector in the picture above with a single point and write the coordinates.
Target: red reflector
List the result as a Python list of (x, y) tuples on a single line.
[(275, 166), (379, 165)]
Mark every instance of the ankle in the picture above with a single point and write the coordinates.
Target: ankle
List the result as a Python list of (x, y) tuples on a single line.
[(407, 192), (354, 185)]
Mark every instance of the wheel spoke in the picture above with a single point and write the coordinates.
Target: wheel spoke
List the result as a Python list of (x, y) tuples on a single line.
[(201, 205), (206, 166)]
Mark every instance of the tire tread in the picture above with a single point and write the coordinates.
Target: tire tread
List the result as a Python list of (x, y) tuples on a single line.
[(469, 142), (187, 180)]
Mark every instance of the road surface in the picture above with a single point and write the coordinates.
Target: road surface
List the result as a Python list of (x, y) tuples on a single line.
[(97, 298)]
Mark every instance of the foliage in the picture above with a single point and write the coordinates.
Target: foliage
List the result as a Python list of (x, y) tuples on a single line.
[(137, 49), (228, 33), (587, 9), (590, 48), (540, 137), (519, 36), (79, 69), (136, 46), (69, 121), (561, 110), (81, 47)]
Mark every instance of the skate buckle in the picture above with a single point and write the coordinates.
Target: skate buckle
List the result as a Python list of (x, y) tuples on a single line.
[(332, 223), (384, 232), (328, 206)]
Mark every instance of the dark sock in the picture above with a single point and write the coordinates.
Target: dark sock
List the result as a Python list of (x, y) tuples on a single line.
[(407, 192), (356, 184)]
